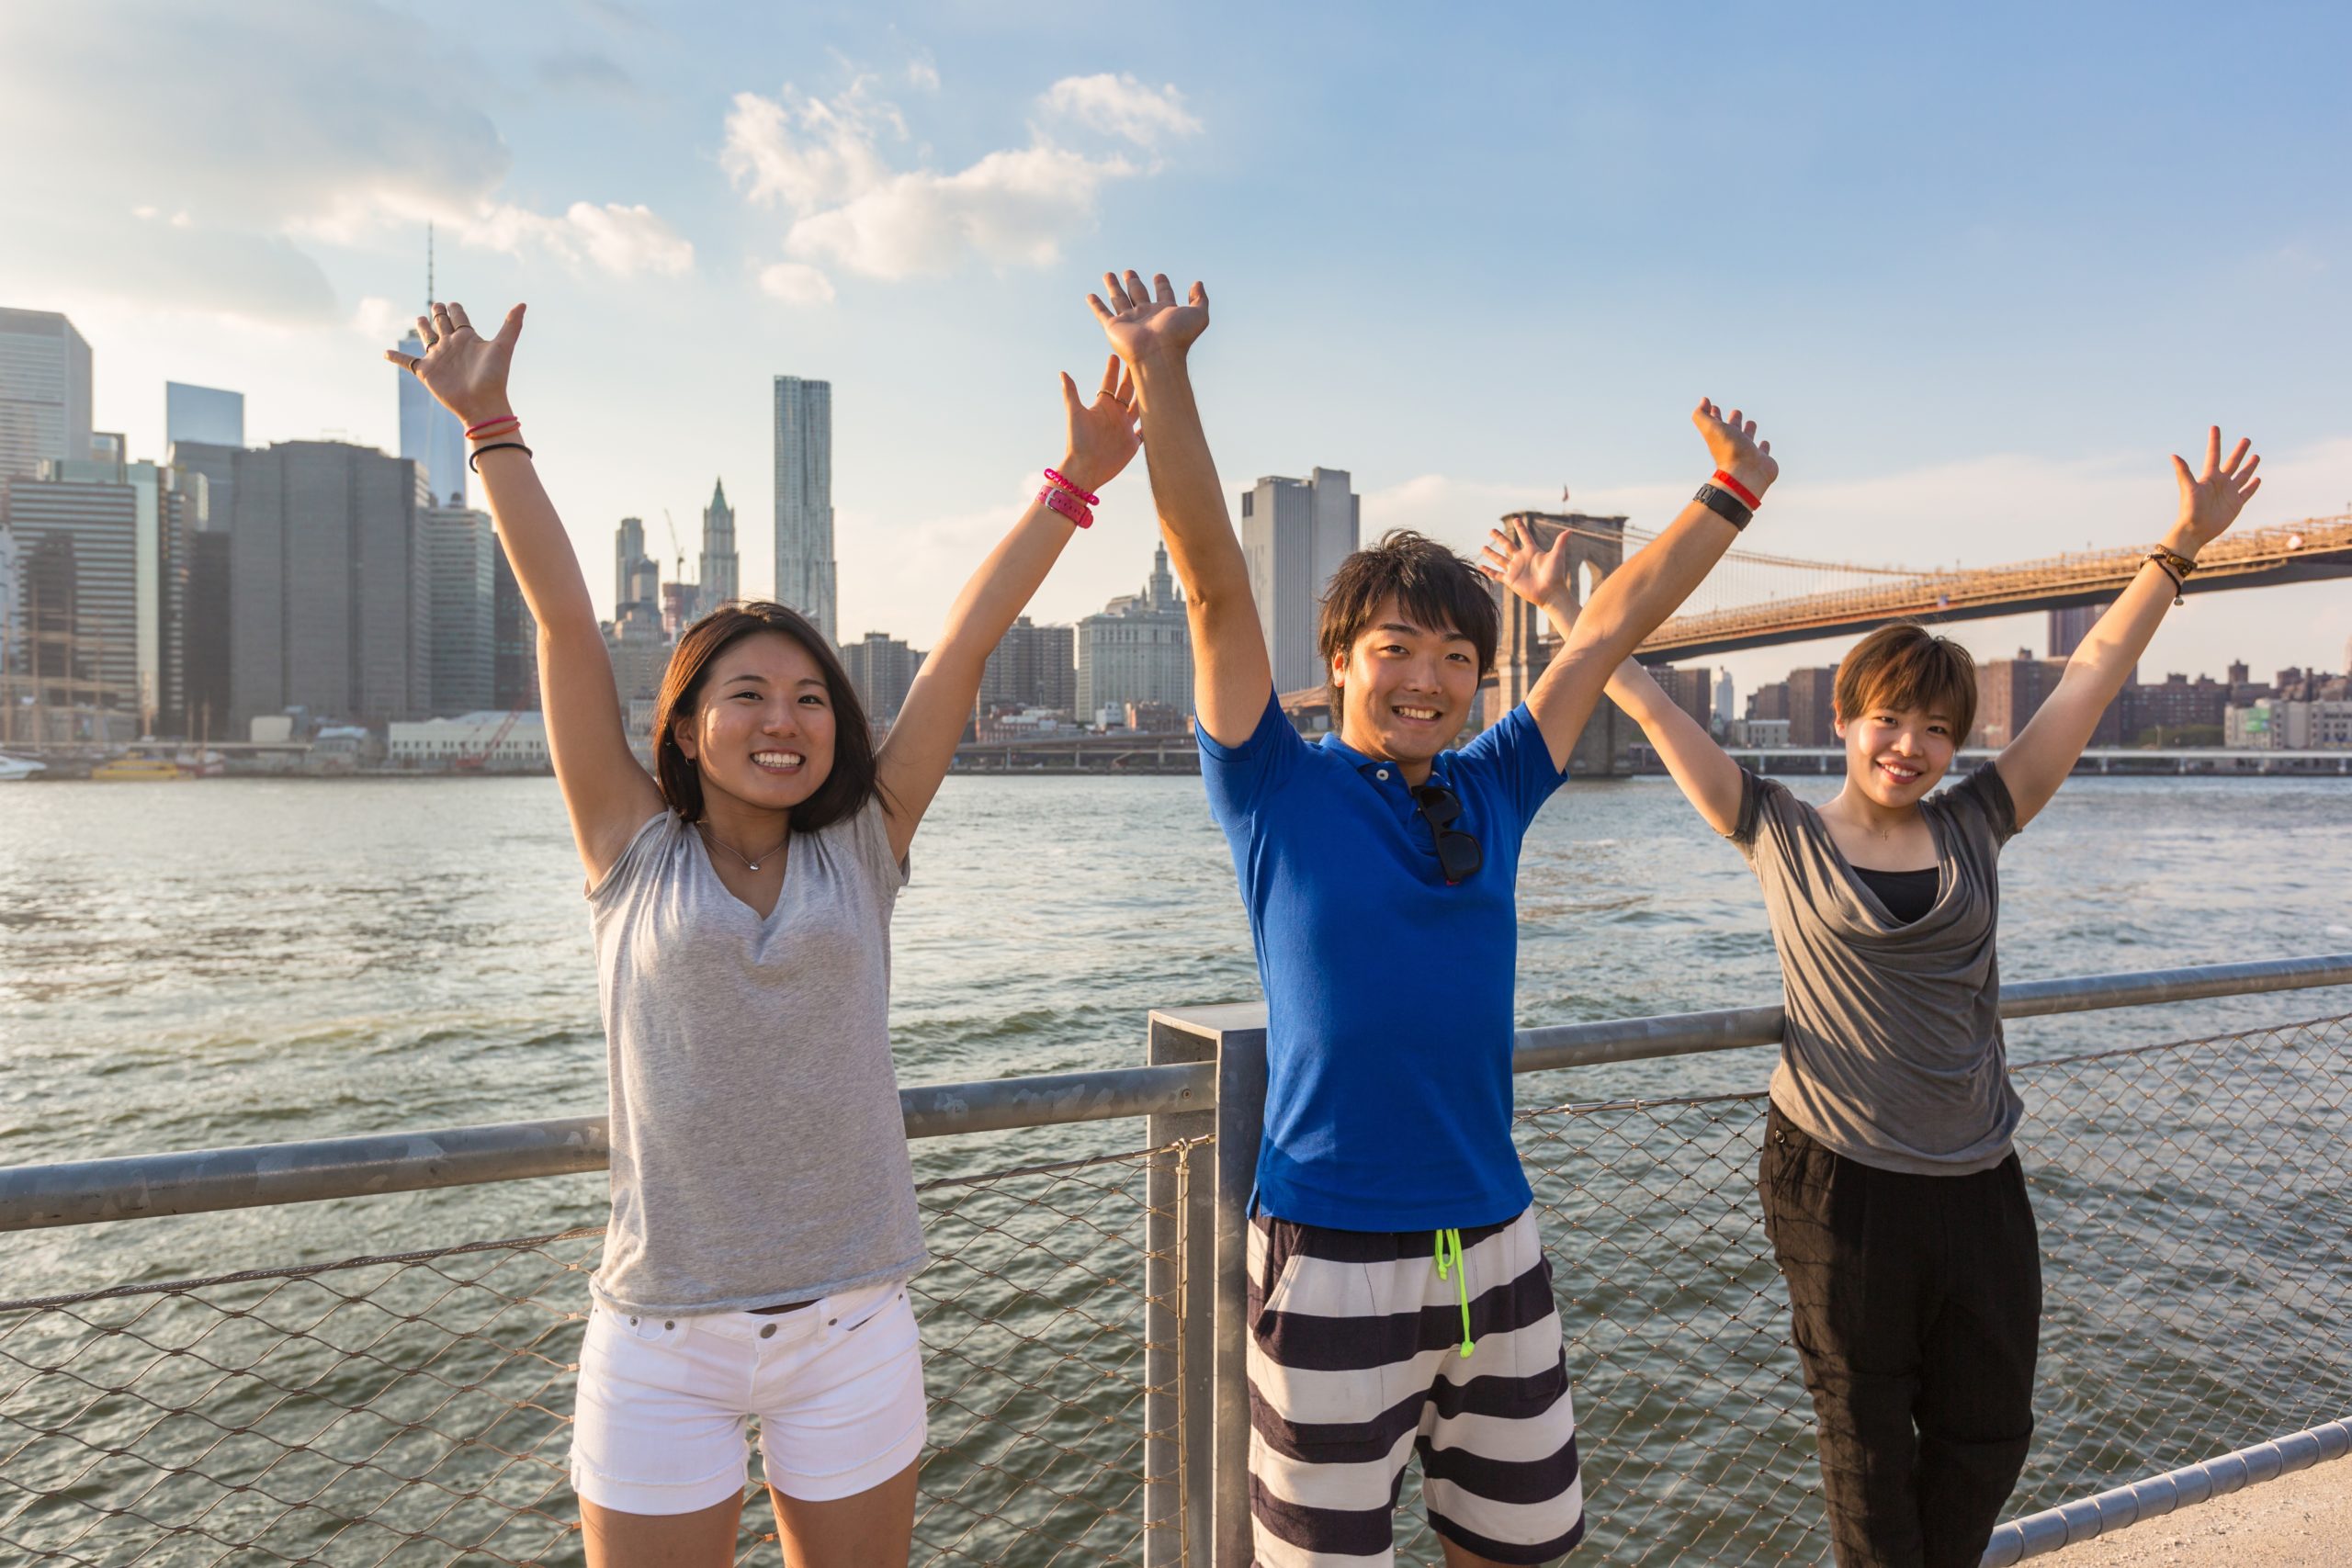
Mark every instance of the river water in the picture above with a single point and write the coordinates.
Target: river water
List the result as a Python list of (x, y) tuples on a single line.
[(189, 965)]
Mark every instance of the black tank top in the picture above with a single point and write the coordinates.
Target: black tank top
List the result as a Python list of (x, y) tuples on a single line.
[(1908, 895)]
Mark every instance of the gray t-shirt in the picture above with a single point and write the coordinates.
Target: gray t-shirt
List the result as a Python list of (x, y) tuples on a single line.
[(1891, 1052), (758, 1153)]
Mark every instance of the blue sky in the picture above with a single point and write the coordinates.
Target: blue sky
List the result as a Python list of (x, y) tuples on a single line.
[(1977, 270)]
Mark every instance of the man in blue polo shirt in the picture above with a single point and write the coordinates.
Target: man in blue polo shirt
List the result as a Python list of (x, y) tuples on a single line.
[(1399, 1299)]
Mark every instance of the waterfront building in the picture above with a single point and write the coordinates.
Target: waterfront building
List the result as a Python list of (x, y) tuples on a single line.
[(431, 436), (44, 392), (203, 413), (883, 670), (463, 550), (804, 500), (204, 636), (515, 635), (2159, 712), (2070, 626), (1140, 649), (2290, 724), (1295, 534), (2009, 692), (1765, 732), (208, 477), (1813, 703), (1030, 667), (330, 585), (494, 741), (1770, 701), (73, 628), (721, 580)]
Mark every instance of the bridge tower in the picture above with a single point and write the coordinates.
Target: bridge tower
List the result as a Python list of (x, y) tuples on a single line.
[(1597, 546)]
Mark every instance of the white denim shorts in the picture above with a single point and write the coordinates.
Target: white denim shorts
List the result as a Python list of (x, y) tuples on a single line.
[(658, 1423)]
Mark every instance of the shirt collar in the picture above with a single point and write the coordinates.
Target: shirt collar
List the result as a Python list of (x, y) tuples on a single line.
[(1363, 765)]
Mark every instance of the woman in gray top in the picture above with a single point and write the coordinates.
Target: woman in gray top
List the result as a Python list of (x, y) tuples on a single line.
[(763, 1219), (1893, 1197)]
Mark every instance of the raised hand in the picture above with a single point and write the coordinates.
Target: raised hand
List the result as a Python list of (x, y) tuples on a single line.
[(462, 369), (1140, 321), (1538, 575), (2211, 500), (1731, 442), (1103, 435)]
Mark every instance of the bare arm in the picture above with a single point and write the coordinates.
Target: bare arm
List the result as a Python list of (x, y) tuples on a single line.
[(923, 742), (607, 793), (1635, 598), (1708, 776), (1232, 678), (2035, 763)]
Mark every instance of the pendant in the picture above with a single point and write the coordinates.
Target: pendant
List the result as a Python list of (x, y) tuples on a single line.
[(753, 864)]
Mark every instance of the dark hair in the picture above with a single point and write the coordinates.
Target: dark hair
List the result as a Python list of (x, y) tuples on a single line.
[(1429, 582), (844, 791), (1908, 666)]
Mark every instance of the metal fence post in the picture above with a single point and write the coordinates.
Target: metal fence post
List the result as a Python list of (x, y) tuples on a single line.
[(1240, 1122), (1180, 1362)]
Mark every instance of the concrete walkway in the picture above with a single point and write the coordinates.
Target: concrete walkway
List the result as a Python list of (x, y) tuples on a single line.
[(2303, 1520)]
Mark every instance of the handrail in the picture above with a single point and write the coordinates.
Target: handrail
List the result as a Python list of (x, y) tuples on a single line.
[(35, 1197)]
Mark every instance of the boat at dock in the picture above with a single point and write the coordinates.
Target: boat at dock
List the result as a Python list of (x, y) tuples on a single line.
[(120, 769)]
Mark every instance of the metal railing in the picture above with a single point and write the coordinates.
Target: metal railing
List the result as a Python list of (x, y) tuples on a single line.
[(1082, 1323)]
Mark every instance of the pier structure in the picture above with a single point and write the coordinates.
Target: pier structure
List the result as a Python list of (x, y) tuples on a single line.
[(1083, 1321)]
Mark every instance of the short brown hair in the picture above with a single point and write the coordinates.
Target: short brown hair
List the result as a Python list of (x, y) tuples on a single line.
[(1908, 666), (844, 791), (1429, 582)]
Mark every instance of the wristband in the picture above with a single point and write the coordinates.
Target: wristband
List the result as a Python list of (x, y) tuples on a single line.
[(487, 425), (1726, 505), (1060, 483), (1747, 497), (1068, 504), (496, 447)]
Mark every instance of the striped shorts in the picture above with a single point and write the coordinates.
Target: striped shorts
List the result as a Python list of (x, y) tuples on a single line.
[(1355, 1359)]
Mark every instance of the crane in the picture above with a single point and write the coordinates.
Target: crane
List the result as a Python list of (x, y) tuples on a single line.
[(686, 613)]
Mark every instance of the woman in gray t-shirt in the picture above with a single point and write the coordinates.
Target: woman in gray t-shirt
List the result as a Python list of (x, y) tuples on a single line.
[(763, 1220), (1895, 1202)]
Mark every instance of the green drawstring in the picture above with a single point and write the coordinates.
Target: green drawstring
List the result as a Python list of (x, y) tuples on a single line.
[(1461, 1280)]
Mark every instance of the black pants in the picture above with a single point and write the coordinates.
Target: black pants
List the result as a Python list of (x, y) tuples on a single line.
[(1915, 1303)]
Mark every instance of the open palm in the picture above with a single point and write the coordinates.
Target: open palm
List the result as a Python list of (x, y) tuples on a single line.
[(463, 369), (2212, 498), (1536, 573), (1139, 320), (1103, 435)]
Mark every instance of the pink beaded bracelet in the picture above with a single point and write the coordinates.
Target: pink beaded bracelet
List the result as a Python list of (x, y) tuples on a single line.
[(1055, 479), (1068, 503)]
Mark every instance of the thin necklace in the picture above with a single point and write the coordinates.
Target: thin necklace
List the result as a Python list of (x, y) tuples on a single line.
[(748, 860)]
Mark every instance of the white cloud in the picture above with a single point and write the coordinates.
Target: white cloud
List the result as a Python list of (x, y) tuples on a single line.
[(823, 162), (1120, 106), (379, 321), (922, 76), (797, 283), (277, 126)]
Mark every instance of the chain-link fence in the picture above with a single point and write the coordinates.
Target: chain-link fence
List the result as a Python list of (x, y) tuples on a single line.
[(2191, 1200), (414, 1408)]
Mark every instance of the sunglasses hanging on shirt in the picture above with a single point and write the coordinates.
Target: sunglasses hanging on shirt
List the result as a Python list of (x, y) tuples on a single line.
[(1458, 854)]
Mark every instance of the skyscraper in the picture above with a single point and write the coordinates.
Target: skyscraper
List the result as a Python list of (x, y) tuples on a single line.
[(77, 546), (1295, 534), (630, 569), (431, 436), (44, 392), (330, 592), (204, 414), (516, 633), (804, 498), (883, 669), (721, 583), (1030, 667), (463, 550)]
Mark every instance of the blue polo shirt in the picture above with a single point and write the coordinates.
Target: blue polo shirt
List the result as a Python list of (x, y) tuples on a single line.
[(1389, 994)]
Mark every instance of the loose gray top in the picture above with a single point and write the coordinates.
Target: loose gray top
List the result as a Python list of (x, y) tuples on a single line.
[(1891, 1052), (758, 1153)]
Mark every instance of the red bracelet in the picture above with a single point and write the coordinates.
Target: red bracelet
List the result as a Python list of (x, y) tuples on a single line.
[(474, 432), (1739, 489), (1068, 503), (1060, 483)]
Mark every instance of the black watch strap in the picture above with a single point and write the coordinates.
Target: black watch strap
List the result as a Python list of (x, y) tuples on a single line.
[(1726, 505)]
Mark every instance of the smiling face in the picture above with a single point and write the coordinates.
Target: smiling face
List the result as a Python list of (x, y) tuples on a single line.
[(763, 730), (1894, 756), (1406, 688)]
